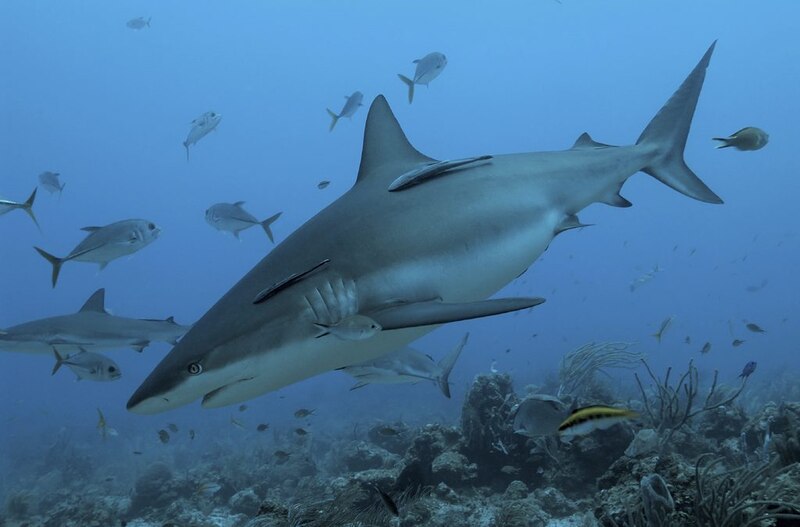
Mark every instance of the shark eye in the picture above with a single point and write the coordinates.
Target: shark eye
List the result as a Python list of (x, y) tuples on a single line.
[(194, 368)]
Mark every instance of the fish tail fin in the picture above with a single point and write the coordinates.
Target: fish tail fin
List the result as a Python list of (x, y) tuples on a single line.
[(59, 361), (657, 337), (408, 82), (266, 223), (28, 207), (334, 119), (666, 135), (186, 146), (148, 20), (55, 261), (726, 142), (447, 363), (325, 329)]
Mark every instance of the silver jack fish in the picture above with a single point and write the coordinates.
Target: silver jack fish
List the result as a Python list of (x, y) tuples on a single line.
[(428, 68), (352, 104), (88, 366), (232, 217), (201, 127), (50, 182)]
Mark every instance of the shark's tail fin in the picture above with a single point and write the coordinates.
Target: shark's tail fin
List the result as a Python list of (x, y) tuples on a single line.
[(266, 223), (410, 85), (334, 119), (59, 361), (28, 207), (447, 363), (55, 261), (667, 134)]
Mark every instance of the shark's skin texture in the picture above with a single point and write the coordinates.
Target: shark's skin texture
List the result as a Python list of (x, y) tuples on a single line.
[(407, 258), (92, 329)]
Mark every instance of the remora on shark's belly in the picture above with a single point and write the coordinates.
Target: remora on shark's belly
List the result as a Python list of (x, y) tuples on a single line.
[(414, 243)]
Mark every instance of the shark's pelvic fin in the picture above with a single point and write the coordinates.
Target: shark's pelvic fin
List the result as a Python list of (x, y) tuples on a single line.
[(667, 134), (386, 152), (435, 312), (95, 303), (277, 287), (418, 175), (571, 221), (447, 363)]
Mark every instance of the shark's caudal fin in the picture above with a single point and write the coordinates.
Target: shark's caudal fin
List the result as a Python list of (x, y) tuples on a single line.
[(266, 223), (59, 361), (408, 82), (334, 119), (447, 363), (28, 207), (667, 134), (55, 261)]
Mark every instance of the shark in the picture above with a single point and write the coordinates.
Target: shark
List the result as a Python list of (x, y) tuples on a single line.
[(92, 328), (415, 243)]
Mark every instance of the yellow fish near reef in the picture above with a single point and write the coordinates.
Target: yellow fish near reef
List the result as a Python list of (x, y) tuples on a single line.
[(590, 418)]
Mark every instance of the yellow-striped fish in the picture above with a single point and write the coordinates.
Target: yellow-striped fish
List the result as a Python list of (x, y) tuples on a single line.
[(590, 418)]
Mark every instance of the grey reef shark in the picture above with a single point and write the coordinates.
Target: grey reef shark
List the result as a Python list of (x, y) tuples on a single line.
[(415, 243)]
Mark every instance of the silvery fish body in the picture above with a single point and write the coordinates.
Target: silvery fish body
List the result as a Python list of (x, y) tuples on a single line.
[(91, 328), (50, 182), (231, 217), (89, 366), (201, 127), (352, 104), (139, 22), (539, 415), (428, 68)]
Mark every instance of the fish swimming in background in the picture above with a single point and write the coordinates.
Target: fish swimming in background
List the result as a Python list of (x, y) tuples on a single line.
[(748, 369), (163, 436), (353, 103), (138, 23), (388, 431), (107, 243), (755, 328), (50, 182), (173, 428), (92, 328), (242, 407), (406, 365), (323, 184), (262, 427), (281, 456), (387, 500), (706, 348), (428, 68), (687, 340), (231, 217), (301, 431), (208, 489), (302, 412), (643, 279), (88, 366), (7, 206), (192, 435), (235, 422), (586, 420), (353, 327), (750, 138), (103, 427), (756, 288), (665, 324), (737, 342), (539, 415), (201, 127)]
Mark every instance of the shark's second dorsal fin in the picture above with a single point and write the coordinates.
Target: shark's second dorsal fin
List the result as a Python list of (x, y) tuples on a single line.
[(386, 152), (585, 141), (96, 302)]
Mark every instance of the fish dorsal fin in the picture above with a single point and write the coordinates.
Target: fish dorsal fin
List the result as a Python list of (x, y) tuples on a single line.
[(586, 141), (96, 302), (90, 229), (386, 152)]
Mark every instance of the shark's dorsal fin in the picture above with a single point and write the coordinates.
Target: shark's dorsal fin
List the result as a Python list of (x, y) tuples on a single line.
[(386, 152), (585, 141), (96, 302)]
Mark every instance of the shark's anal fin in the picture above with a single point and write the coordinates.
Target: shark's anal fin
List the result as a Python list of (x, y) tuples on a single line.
[(571, 221), (421, 174), (277, 287), (435, 312)]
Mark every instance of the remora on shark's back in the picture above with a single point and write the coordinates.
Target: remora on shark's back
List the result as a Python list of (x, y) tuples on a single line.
[(408, 259)]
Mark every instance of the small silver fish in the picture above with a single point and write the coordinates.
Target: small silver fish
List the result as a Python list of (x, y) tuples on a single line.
[(231, 217), (208, 489), (88, 366), (749, 138), (354, 327), (352, 104), (302, 412), (138, 23), (201, 127), (428, 68), (323, 184), (50, 182), (104, 244), (640, 281)]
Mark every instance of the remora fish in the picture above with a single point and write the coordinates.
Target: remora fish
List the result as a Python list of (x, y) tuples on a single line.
[(7, 206), (385, 255), (428, 68), (107, 243), (350, 106), (406, 365), (750, 138), (50, 182), (232, 217), (91, 328), (88, 365), (201, 127)]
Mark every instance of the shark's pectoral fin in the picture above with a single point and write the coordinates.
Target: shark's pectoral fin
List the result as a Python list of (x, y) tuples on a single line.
[(435, 312), (277, 287), (571, 221), (418, 175), (615, 199)]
